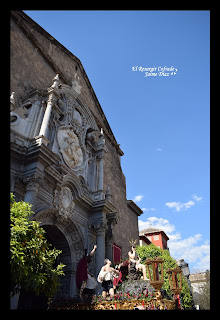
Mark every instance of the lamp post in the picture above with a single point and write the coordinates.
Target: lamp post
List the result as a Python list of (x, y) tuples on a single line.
[(175, 282), (156, 278)]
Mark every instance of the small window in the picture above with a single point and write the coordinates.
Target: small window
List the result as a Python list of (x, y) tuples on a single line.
[(156, 237)]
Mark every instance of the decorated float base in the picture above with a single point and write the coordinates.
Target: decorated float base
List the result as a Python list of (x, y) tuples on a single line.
[(153, 304), (130, 295)]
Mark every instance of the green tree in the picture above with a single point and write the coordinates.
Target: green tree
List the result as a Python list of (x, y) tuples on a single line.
[(32, 258), (152, 251)]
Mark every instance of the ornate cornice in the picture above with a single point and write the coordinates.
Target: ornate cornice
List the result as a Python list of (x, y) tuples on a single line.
[(132, 205)]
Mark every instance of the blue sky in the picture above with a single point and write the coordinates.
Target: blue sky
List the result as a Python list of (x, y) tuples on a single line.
[(161, 122)]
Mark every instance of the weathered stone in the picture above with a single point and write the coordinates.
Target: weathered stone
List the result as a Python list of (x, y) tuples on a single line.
[(60, 135)]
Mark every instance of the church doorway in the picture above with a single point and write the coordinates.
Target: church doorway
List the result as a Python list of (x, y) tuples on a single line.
[(67, 239), (31, 301), (58, 240)]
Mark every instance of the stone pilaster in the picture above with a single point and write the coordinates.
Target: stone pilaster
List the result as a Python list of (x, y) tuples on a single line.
[(100, 230), (32, 185)]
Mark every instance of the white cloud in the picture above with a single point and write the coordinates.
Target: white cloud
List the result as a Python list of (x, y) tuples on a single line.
[(185, 243), (181, 206), (138, 198), (178, 206), (203, 264), (148, 209), (197, 198), (159, 149), (158, 223), (198, 256), (193, 249), (174, 237)]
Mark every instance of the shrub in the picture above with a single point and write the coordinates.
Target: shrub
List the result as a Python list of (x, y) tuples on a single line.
[(152, 251), (32, 258)]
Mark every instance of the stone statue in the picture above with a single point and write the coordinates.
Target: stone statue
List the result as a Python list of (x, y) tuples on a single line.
[(75, 84), (55, 81)]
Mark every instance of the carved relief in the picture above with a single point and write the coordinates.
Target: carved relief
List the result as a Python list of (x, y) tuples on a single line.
[(70, 147), (66, 197), (74, 117), (63, 200), (101, 227)]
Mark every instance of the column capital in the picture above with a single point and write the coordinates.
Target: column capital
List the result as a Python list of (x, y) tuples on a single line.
[(100, 228), (32, 182), (32, 186)]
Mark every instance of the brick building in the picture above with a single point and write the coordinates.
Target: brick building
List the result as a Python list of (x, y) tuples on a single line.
[(65, 160)]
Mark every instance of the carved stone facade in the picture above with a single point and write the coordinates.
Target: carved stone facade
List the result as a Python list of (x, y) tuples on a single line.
[(65, 160)]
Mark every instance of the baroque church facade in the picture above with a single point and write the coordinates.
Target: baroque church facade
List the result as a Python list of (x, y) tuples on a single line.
[(65, 160)]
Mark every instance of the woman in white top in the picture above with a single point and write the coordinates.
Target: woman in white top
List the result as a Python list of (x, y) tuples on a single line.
[(106, 276)]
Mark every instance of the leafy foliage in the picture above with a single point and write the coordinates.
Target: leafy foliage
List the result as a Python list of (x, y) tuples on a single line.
[(32, 258), (152, 251)]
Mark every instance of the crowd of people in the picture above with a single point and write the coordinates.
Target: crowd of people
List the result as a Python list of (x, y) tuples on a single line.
[(108, 276)]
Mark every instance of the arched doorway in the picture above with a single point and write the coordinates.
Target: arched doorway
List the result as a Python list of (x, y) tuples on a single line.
[(58, 240), (63, 234)]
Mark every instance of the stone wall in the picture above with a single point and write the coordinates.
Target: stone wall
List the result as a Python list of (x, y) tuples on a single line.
[(36, 57)]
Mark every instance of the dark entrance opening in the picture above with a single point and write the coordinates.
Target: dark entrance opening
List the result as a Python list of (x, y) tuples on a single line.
[(31, 301)]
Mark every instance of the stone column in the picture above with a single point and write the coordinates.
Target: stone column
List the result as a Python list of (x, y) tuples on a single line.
[(73, 288), (14, 301), (109, 234), (12, 181), (46, 120), (47, 114), (100, 251), (42, 138), (109, 250), (33, 183)]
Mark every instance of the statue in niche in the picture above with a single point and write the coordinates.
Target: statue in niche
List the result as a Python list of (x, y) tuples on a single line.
[(69, 147), (75, 84), (66, 196)]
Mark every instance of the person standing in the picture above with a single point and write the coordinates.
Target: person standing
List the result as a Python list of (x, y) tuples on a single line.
[(85, 281), (106, 277)]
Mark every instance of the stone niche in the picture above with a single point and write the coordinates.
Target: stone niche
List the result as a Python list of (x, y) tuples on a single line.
[(69, 147)]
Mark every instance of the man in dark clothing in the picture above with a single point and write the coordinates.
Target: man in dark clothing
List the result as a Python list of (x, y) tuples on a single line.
[(85, 281)]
